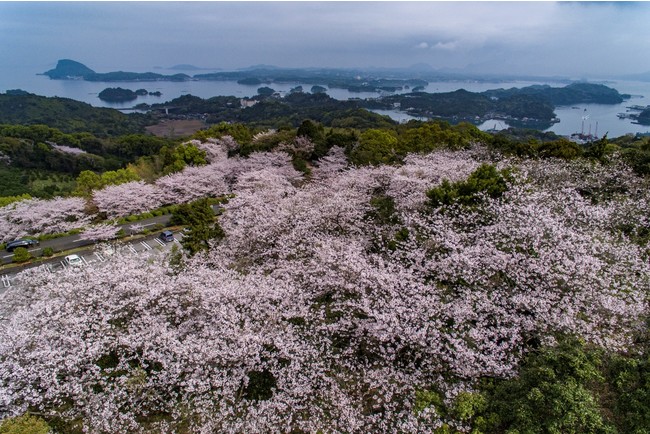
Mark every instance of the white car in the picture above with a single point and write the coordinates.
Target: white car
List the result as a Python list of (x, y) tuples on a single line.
[(73, 260)]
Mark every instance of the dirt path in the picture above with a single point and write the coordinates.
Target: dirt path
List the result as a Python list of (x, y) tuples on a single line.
[(176, 128)]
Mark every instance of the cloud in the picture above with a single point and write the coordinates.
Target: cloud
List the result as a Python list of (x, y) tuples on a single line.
[(446, 46), (538, 37)]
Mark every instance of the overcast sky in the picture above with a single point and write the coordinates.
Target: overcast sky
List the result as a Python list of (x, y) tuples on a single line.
[(544, 38)]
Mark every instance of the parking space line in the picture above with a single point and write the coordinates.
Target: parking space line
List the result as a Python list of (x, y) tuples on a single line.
[(131, 248), (63, 264), (146, 246), (159, 242), (5, 281), (84, 259), (100, 257)]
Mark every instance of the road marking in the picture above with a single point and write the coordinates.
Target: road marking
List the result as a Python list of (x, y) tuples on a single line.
[(84, 259), (159, 242), (79, 240), (63, 265), (131, 248), (5, 281), (29, 250), (100, 257), (146, 246), (49, 268)]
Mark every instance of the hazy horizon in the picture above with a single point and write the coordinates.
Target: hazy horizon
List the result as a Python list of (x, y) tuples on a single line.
[(582, 39)]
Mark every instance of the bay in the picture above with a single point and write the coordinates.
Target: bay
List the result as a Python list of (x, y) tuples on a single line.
[(596, 119)]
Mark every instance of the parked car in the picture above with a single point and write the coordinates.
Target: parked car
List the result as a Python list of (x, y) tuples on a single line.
[(26, 243), (166, 236), (73, 260)]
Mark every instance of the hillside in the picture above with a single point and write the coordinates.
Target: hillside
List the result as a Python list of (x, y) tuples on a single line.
[(67, 69), (431, 294), (68, 115)]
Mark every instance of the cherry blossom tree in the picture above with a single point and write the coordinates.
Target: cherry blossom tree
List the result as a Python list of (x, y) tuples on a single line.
[(100, 232), (129, 198), (331, 304), (38, 216)]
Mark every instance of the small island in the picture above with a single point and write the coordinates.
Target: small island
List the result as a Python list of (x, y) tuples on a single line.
[(252, 81), (117, 94)]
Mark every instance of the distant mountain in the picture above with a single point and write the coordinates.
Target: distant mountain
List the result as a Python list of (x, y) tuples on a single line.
[(643, 76), (188, 67), (422, 67), (185, 67), (264, 67)]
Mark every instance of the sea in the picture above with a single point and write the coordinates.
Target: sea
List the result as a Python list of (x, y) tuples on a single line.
[(593, 119)]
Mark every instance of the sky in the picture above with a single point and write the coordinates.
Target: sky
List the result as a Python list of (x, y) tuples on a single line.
[(579, 39)]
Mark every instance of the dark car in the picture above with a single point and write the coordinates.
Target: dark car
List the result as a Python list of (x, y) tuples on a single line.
[(21, 243), (166, 236)]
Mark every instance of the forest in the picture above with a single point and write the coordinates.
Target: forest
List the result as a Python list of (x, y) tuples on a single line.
[(364, 276)]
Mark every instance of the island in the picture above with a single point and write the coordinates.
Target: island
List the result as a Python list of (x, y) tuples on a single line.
[(531, 106), (67, 69), (252, 81), (643, 118), (117, 94), (351, 79)]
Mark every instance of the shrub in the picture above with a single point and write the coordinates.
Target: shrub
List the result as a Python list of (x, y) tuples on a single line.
[(48, 251), (25, 424), (486, 180), (21, 254)]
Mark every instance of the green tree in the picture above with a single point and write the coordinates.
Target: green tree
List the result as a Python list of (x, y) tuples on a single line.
[(199, 218), (552, 394), (486, 180), (136, 145), (240, 132), (175, 159), (6, 200), (120, 176), (561, 148), (375, 147), (313, 130), (434, 135), (87, 181)]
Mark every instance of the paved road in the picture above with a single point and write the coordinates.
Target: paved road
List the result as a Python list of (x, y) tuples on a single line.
[(75, 241)]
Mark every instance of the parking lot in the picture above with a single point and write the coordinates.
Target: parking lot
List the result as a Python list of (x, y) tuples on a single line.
[(95, 257)]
